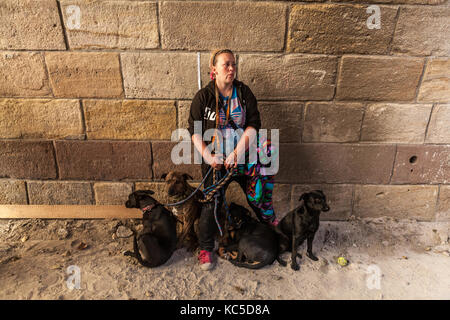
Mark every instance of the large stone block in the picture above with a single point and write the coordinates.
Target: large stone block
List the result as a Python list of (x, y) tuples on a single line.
[(102, 160), (436, 81), (158, 187), (30, 25), (184, 108), (163, 163), (289, 77), (338, 29), (111, 24), (160, 75), (395, 123), (60, 193), (287, 117), (379, 78), (402, 202), (425, 164), (339, 199), (110, 193), (244, 26), (430, 2), (443, 208), (13, 192), (129, 119), (85, 74), (27, 159), (438, 129), (335, 163), (23, 74), (40, 118), (332, 122), (422, 31)]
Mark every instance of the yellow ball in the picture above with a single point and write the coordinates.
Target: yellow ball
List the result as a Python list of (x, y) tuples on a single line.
[(342, 261)]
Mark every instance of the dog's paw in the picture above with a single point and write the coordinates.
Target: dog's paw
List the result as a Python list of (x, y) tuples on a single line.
[(295, 266), (312, 256)]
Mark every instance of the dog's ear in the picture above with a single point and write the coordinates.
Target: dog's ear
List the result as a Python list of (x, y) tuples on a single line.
[(303, 197), (187, 177), (319, 192), (163, 176)]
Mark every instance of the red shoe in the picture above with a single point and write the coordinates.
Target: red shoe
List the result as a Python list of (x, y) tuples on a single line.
[(205, 259)]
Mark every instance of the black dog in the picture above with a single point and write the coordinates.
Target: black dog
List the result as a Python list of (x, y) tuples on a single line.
[(158, 240), (251, 244), (300, 224)]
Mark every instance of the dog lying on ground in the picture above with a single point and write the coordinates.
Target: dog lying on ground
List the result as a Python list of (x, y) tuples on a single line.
[(300, 224), (188, 213), (155, 244), (248, 243)]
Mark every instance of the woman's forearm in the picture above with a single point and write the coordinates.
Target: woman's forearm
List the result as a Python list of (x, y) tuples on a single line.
[(248, 137)]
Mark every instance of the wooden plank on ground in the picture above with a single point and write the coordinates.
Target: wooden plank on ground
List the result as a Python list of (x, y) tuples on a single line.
[(67, 212)]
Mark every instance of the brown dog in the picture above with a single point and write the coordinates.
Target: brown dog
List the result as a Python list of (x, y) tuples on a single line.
[(188, 213)]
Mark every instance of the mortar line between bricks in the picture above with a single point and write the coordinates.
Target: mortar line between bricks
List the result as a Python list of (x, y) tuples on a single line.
[(26, 192), (362, 122), (83, 119), (393, 165), (121, 75), (66, 41), (397, 16), (352, 201), (428, 123), (338, 72), (158, 22), (436, 206), (56, 161), (419, 85), (48, 75), (286, 27)]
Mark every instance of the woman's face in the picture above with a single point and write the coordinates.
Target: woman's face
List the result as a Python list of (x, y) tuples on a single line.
[(225, 68)]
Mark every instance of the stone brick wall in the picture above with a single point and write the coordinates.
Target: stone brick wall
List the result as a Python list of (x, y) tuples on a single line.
[(90, 92)]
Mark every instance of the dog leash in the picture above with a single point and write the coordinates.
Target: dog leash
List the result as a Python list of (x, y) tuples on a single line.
[(192, 194)]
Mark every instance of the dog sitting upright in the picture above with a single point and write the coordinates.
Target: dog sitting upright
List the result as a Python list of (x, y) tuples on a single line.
[(248, 243), (188, 213), (155, 244), (300, 224)]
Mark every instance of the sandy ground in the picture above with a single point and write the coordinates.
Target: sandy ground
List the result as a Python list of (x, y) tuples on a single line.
[(388, 259)]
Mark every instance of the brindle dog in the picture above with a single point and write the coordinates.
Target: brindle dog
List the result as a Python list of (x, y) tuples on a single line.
[(188, 213)]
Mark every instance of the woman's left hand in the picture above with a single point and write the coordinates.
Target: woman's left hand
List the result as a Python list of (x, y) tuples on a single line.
[(231, 161)]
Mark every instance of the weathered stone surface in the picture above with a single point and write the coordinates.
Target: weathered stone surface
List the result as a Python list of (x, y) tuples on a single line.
[(27, 159), (345, 29), (160, 75), (443, 208), (40, 118), (110, 193), (438, 129), (60, 192), (85, 74), (287, 117), (379, 78), (403, 123), (236, 194), (101, 160), (335, 163), (23, 74), (339, 199), (129, 119), (423, 31), (112, 24), (40, 30), (426, 164), (163, 162), (332, 122), (183, 114), (290, 77), (402, 202), (13, 192), (436, 81), (259, 27)]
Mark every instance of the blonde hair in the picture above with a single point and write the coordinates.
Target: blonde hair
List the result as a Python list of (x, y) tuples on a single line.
[(215, 54)]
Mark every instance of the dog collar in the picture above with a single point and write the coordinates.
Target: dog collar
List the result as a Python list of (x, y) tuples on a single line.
[(148, 208)]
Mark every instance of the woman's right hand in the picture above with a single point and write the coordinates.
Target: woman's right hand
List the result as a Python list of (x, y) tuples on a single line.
[(215, 161)]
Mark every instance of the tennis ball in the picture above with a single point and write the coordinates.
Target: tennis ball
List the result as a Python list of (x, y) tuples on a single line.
[(342, 261)]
